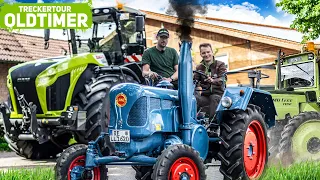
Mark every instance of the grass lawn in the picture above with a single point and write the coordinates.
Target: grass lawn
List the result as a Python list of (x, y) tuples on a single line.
[(303, 171), (28, 174)]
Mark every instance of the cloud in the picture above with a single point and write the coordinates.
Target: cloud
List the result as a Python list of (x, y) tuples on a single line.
[(278, 8), (246, 12)]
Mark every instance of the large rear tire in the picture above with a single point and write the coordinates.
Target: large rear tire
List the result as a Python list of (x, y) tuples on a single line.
[(300, 139), (244, 149), (95, 100)]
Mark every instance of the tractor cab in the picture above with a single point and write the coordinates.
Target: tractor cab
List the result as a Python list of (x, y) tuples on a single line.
[(298, 72), (117, 32)]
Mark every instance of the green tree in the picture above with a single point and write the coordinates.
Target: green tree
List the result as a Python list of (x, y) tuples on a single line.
[(307, 16)]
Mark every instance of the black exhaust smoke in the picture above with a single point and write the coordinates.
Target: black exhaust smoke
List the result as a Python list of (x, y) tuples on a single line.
[(185, 10)]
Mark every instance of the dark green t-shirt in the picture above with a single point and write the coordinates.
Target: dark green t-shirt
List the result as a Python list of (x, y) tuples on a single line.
[(161, 62)]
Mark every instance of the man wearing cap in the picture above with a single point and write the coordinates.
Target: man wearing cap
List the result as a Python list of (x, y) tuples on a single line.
[(161, 60), (213, 86)]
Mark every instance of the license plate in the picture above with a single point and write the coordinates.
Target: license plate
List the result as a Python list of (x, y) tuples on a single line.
[(120, 136)]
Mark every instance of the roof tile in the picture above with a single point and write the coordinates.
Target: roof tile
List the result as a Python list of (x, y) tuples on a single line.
[(21, 48)]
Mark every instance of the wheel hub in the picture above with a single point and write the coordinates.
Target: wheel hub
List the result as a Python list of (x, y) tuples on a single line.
[(306, 142), (254, 149), (184, 169), (313, 145), (184, 176)]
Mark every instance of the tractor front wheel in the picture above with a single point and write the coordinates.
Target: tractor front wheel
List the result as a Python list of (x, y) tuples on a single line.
[(179, 162), (300, 139), (244, 149), (73, 159)]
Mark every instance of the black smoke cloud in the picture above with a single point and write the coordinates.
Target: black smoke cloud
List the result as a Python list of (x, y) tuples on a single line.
[(185, 10)]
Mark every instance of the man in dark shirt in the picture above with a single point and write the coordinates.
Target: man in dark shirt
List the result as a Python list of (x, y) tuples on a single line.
[(213, 86), (161, 60)]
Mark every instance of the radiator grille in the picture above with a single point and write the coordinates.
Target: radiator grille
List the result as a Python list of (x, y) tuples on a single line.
[(138, 114)]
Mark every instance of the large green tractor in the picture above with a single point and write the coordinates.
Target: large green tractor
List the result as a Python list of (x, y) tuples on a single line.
[(296, 136), (54, 100)]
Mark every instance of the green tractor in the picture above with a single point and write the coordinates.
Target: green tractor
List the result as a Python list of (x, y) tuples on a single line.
[(55, 100), (296, 135)]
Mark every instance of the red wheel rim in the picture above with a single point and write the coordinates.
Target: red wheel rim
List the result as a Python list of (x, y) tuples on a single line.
[(80, 161), (255, 150), (184, 167)]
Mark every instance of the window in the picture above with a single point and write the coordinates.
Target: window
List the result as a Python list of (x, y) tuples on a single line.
[(224, 58)]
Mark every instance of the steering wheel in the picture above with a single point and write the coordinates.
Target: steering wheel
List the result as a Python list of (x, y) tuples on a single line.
[(201, 73), (153, 82)]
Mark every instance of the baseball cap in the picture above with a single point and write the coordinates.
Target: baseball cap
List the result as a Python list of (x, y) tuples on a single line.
[(163, 32)]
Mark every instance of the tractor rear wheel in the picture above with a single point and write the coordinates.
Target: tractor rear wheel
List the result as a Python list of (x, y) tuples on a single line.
[(244, 149), (179, 162), (300, 139), (75, 157), (95, 101)]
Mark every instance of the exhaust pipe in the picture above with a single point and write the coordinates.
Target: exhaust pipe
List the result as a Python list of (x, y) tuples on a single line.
[(185, 89), (12, 145), (26, 137)]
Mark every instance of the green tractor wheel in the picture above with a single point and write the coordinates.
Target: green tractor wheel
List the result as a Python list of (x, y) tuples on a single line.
[(95, 100), (300, 140)]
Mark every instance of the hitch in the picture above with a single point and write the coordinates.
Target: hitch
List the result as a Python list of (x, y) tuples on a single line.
[(30, 121)]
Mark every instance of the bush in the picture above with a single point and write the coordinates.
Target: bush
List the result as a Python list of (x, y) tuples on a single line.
[(3, 145)]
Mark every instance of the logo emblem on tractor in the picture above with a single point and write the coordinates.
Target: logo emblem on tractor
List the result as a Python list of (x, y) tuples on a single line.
[(121, 100)]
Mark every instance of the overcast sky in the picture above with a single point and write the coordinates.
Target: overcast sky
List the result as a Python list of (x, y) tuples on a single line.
[(256, 11)]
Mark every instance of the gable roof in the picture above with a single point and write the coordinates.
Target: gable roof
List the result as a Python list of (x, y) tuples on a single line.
[(11, 49), (15, 47), (273, 35)]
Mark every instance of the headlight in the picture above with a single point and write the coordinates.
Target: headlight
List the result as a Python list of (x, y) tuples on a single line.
[(226, 102), (51, 72), (96, 11), (62, 67), (106, 10), (43, 81)]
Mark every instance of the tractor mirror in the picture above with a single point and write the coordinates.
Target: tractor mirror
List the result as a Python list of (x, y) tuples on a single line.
[(139, 23), (46, 34)]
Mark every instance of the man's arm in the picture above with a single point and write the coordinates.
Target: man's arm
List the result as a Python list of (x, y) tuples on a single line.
[(176, 62), (222, 69), (146, 61)]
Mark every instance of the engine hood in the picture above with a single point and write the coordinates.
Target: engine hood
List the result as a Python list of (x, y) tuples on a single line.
[(80, 59)]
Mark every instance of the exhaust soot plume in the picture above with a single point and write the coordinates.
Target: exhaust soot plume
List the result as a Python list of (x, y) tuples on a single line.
[(185, 10)]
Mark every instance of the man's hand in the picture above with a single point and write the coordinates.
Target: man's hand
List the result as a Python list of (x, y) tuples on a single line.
[(167, 79), (153, 75), (209, 80)]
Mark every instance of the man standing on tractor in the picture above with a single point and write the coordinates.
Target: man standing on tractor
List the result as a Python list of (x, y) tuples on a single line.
[(161, 60), (213, 86)]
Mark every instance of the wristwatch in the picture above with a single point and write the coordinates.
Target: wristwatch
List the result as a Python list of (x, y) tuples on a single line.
[(171, 78)]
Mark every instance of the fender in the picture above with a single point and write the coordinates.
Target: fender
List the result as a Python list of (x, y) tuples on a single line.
[(242, 96), (131, 69)]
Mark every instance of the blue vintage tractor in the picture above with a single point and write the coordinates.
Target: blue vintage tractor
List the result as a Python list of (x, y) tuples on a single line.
[(158, 132)]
